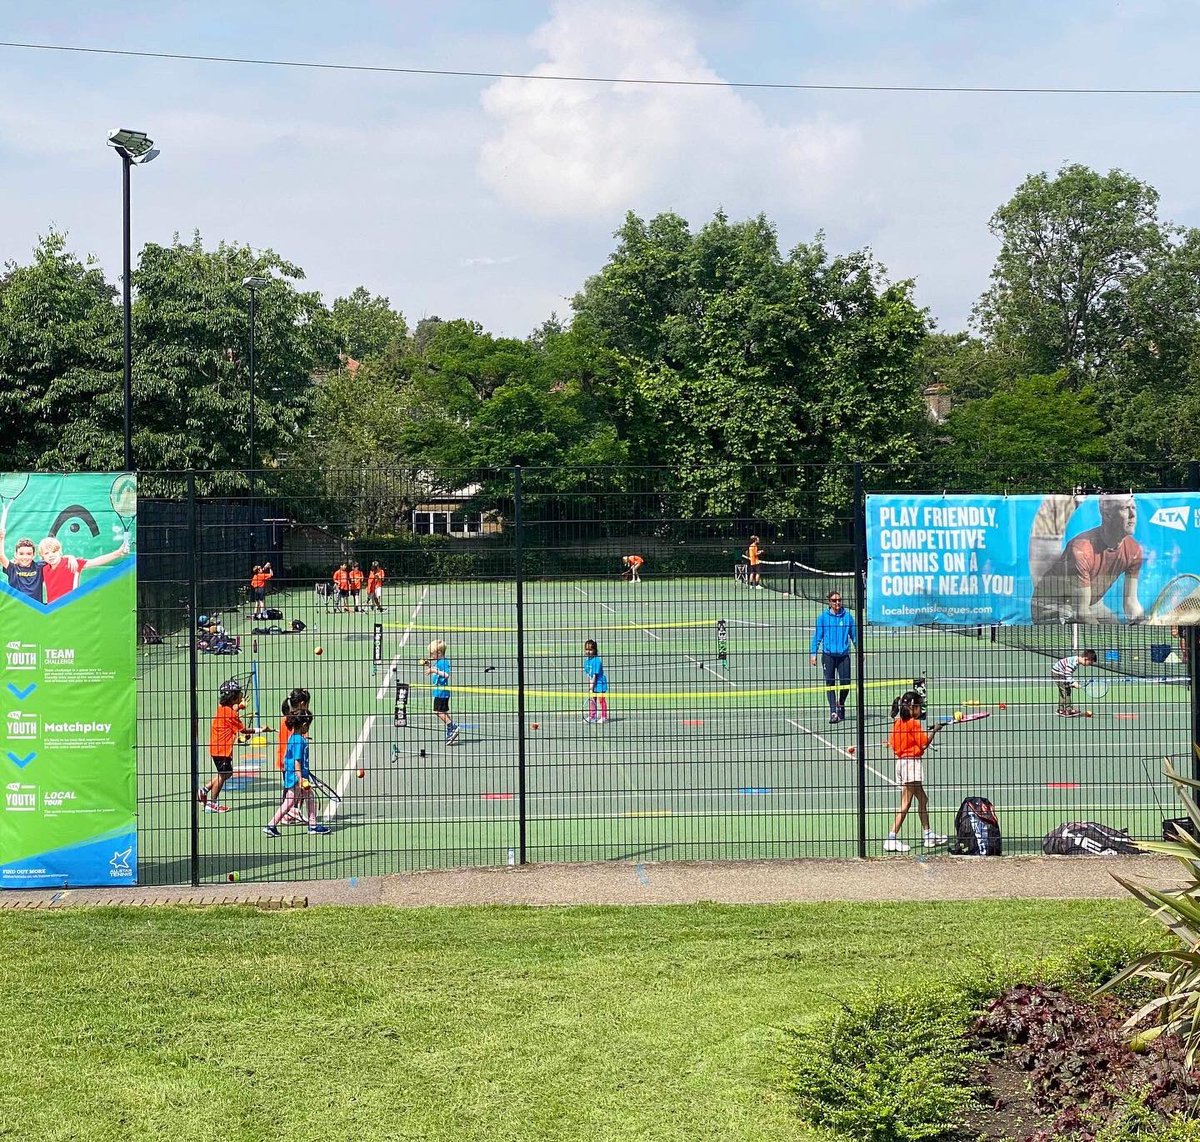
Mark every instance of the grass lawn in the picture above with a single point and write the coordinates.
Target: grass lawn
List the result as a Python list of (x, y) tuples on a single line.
[(463, 1023)]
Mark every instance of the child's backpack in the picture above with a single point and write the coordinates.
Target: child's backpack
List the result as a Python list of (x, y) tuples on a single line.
[(977, 832), (1087, 838)]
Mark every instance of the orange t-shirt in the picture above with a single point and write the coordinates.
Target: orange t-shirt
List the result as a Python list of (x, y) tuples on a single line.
[(260, 580), (341, 580), (356, 580), (753, 554), (226, 725), (908, 738), (636, 561), (375, 580), (284, 734)]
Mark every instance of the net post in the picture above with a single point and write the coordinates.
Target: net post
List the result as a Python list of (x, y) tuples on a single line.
[(860, 658), (519, 584), (193, 675)]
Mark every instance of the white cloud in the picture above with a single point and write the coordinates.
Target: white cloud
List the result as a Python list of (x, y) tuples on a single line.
[(485, 260), (586, 149)]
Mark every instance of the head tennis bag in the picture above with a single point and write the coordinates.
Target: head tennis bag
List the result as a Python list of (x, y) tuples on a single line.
[(1087, 838), (977, 832)]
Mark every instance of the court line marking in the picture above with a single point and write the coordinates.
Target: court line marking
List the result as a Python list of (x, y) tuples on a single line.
[(845, 753)]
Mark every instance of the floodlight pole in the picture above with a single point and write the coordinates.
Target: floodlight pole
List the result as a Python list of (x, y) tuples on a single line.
[(126, 164)]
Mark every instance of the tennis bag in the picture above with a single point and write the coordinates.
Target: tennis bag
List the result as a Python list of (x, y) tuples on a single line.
[(1087, 838), (272, 613), (977, 832)]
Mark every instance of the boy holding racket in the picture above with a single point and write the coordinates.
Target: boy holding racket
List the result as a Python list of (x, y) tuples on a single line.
[(1063, 673), (227, 727), (437, 667), (633, 565), (754, 555), (909, 741)]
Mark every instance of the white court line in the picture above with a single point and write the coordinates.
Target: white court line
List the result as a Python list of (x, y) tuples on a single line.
[(352, 762), (614, 611), (838, 748)]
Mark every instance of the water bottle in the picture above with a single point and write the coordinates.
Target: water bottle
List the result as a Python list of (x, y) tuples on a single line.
[(512, 858)]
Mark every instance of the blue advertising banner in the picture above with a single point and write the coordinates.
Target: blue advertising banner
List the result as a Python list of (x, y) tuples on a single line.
[(965, 560), (68, 613)]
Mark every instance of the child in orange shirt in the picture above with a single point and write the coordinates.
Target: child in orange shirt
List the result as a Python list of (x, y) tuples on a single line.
[(356, 585), (375, 587), (258, 589), (633, 564), (227, 728), (341, 587), (909, 741)]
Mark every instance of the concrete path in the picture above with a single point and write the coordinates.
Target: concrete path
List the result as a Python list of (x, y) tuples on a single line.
[(673, 882)]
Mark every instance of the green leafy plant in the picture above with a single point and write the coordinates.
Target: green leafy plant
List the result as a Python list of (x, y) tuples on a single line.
[(892, 1068), (1176, 1010)]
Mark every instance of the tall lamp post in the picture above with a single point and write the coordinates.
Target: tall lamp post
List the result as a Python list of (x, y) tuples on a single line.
[(253, 284), (133, 147)]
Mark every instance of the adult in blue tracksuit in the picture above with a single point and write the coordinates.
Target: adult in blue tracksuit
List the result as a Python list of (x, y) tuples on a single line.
[(834, 635)]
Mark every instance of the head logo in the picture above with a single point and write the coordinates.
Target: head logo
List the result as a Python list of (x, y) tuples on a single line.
[(1174, 518)]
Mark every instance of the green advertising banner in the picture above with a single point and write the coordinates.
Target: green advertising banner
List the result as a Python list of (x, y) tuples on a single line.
[(68, 622)]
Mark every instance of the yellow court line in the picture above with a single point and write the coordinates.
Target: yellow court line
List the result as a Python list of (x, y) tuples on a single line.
[(691, 624), (668, 696)]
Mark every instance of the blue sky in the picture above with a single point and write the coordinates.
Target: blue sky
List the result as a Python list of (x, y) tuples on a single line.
[(494, 200)]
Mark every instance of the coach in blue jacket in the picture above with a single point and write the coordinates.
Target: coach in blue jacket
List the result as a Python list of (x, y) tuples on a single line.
[(834, 634)]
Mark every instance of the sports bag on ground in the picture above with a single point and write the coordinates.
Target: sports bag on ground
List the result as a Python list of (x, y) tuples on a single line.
[(977, 832), (272, 613), (1087, 838)]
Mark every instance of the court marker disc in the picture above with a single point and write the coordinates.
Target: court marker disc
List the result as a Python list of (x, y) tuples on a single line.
[(1062, 784)]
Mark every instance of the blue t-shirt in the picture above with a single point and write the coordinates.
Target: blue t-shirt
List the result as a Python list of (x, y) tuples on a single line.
[(441, 678), (295, 761), (593, 667), (27, 580)]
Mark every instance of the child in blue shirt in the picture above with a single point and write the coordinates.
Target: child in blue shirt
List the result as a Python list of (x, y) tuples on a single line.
[(437, 666), (298, 796), (593, 668)]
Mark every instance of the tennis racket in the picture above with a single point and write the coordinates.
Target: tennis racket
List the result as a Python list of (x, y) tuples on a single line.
[(12, 484), (324, 788), (1177, 603), (977, 716), (123, 498), (1095, 687)]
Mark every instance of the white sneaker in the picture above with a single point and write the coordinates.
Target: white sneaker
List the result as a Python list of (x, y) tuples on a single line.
[(934, 840), (894, 845)]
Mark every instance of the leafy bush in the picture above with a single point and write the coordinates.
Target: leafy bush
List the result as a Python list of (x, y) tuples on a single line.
[(887, 1069), (1081, 1071)]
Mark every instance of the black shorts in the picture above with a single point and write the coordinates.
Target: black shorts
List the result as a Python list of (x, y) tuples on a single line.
[(258, 593), (224, 765), (441, 705)]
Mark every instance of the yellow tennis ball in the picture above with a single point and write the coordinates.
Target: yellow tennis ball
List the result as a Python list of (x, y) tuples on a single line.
[(958, 715)]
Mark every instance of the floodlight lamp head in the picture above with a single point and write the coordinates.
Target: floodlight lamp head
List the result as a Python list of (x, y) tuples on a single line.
[(136, 146), (253, 283)]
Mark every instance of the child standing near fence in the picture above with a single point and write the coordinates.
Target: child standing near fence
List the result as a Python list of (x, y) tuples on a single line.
[(909, 741), (437, 667), (1063, 673), (593, 669)]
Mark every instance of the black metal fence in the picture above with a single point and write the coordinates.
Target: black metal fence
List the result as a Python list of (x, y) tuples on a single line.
[(715, 737)]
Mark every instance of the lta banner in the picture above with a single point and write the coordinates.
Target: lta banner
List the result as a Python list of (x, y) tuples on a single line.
[(68, 621), (1018, 560)]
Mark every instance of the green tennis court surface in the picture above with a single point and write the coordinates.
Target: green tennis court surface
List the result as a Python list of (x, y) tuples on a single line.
[(701, 758)]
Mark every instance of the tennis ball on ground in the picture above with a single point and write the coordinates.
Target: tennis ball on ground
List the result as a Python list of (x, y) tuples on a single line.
[(362, 773), (233, 876), (318, 651), (958, 715)]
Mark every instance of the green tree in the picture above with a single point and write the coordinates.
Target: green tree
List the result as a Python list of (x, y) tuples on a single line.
[(365, 326), (747, 362), (191, 376), (60, 351), (1031, 430), (1073, 249)]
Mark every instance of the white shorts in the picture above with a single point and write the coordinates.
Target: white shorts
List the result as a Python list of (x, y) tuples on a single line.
[(908, 770)]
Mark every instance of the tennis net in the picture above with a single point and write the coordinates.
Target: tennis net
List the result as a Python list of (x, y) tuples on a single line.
[(791, 577), (1141, 651)]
